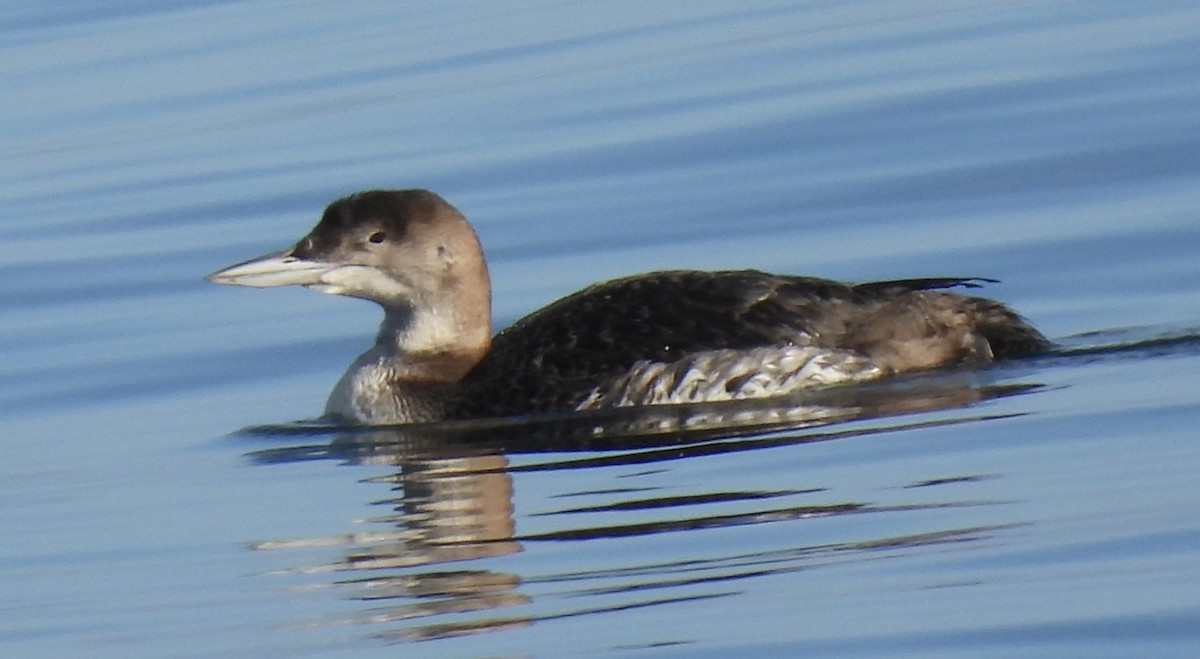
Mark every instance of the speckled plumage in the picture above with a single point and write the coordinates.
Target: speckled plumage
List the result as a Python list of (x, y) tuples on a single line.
[(557, 357), (655, 338)]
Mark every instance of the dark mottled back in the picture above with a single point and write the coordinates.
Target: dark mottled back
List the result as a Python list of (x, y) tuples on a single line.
[(552, 358)]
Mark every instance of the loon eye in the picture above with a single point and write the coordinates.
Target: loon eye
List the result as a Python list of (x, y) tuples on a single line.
[(377, 237)]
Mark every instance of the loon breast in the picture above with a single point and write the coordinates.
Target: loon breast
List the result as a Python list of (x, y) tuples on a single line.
[(655, 338)]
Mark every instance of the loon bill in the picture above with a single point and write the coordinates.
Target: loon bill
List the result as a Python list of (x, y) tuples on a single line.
[(655, 338)]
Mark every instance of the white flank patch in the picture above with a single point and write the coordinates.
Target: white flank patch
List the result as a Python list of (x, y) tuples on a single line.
[(719, 375)]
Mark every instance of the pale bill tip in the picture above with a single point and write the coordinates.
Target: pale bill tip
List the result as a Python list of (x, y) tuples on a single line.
[(274, 269)]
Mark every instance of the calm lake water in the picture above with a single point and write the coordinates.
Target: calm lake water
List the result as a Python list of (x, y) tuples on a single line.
[(160, 498)]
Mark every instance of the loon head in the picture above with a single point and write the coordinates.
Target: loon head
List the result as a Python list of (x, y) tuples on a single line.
[(408, 250)]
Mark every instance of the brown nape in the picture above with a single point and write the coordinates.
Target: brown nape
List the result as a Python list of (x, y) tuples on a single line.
[(925, 329), (449, 301), (455, 302), (465, 280)]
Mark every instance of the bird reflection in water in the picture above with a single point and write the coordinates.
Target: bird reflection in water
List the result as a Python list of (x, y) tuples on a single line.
[(453, 498)]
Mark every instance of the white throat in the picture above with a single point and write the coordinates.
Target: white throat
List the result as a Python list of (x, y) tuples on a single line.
[(410, 374)]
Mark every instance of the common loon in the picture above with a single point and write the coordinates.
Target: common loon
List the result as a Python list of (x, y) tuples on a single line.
[(656, 338)]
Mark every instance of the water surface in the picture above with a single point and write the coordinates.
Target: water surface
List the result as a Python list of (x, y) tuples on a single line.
[(1042, 508)]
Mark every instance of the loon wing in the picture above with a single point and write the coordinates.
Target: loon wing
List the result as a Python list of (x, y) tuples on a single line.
[(556, 357)]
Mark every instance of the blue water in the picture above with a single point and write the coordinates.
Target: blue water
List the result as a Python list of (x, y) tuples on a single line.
[(1039, 509)]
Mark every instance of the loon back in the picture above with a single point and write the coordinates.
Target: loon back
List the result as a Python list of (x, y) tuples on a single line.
[(604, 343)]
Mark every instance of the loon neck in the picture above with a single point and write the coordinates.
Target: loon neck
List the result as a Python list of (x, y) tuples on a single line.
[(439, 344), (412, 372)]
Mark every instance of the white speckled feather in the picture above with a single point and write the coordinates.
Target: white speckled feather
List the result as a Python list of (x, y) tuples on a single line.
[(726, 374)]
